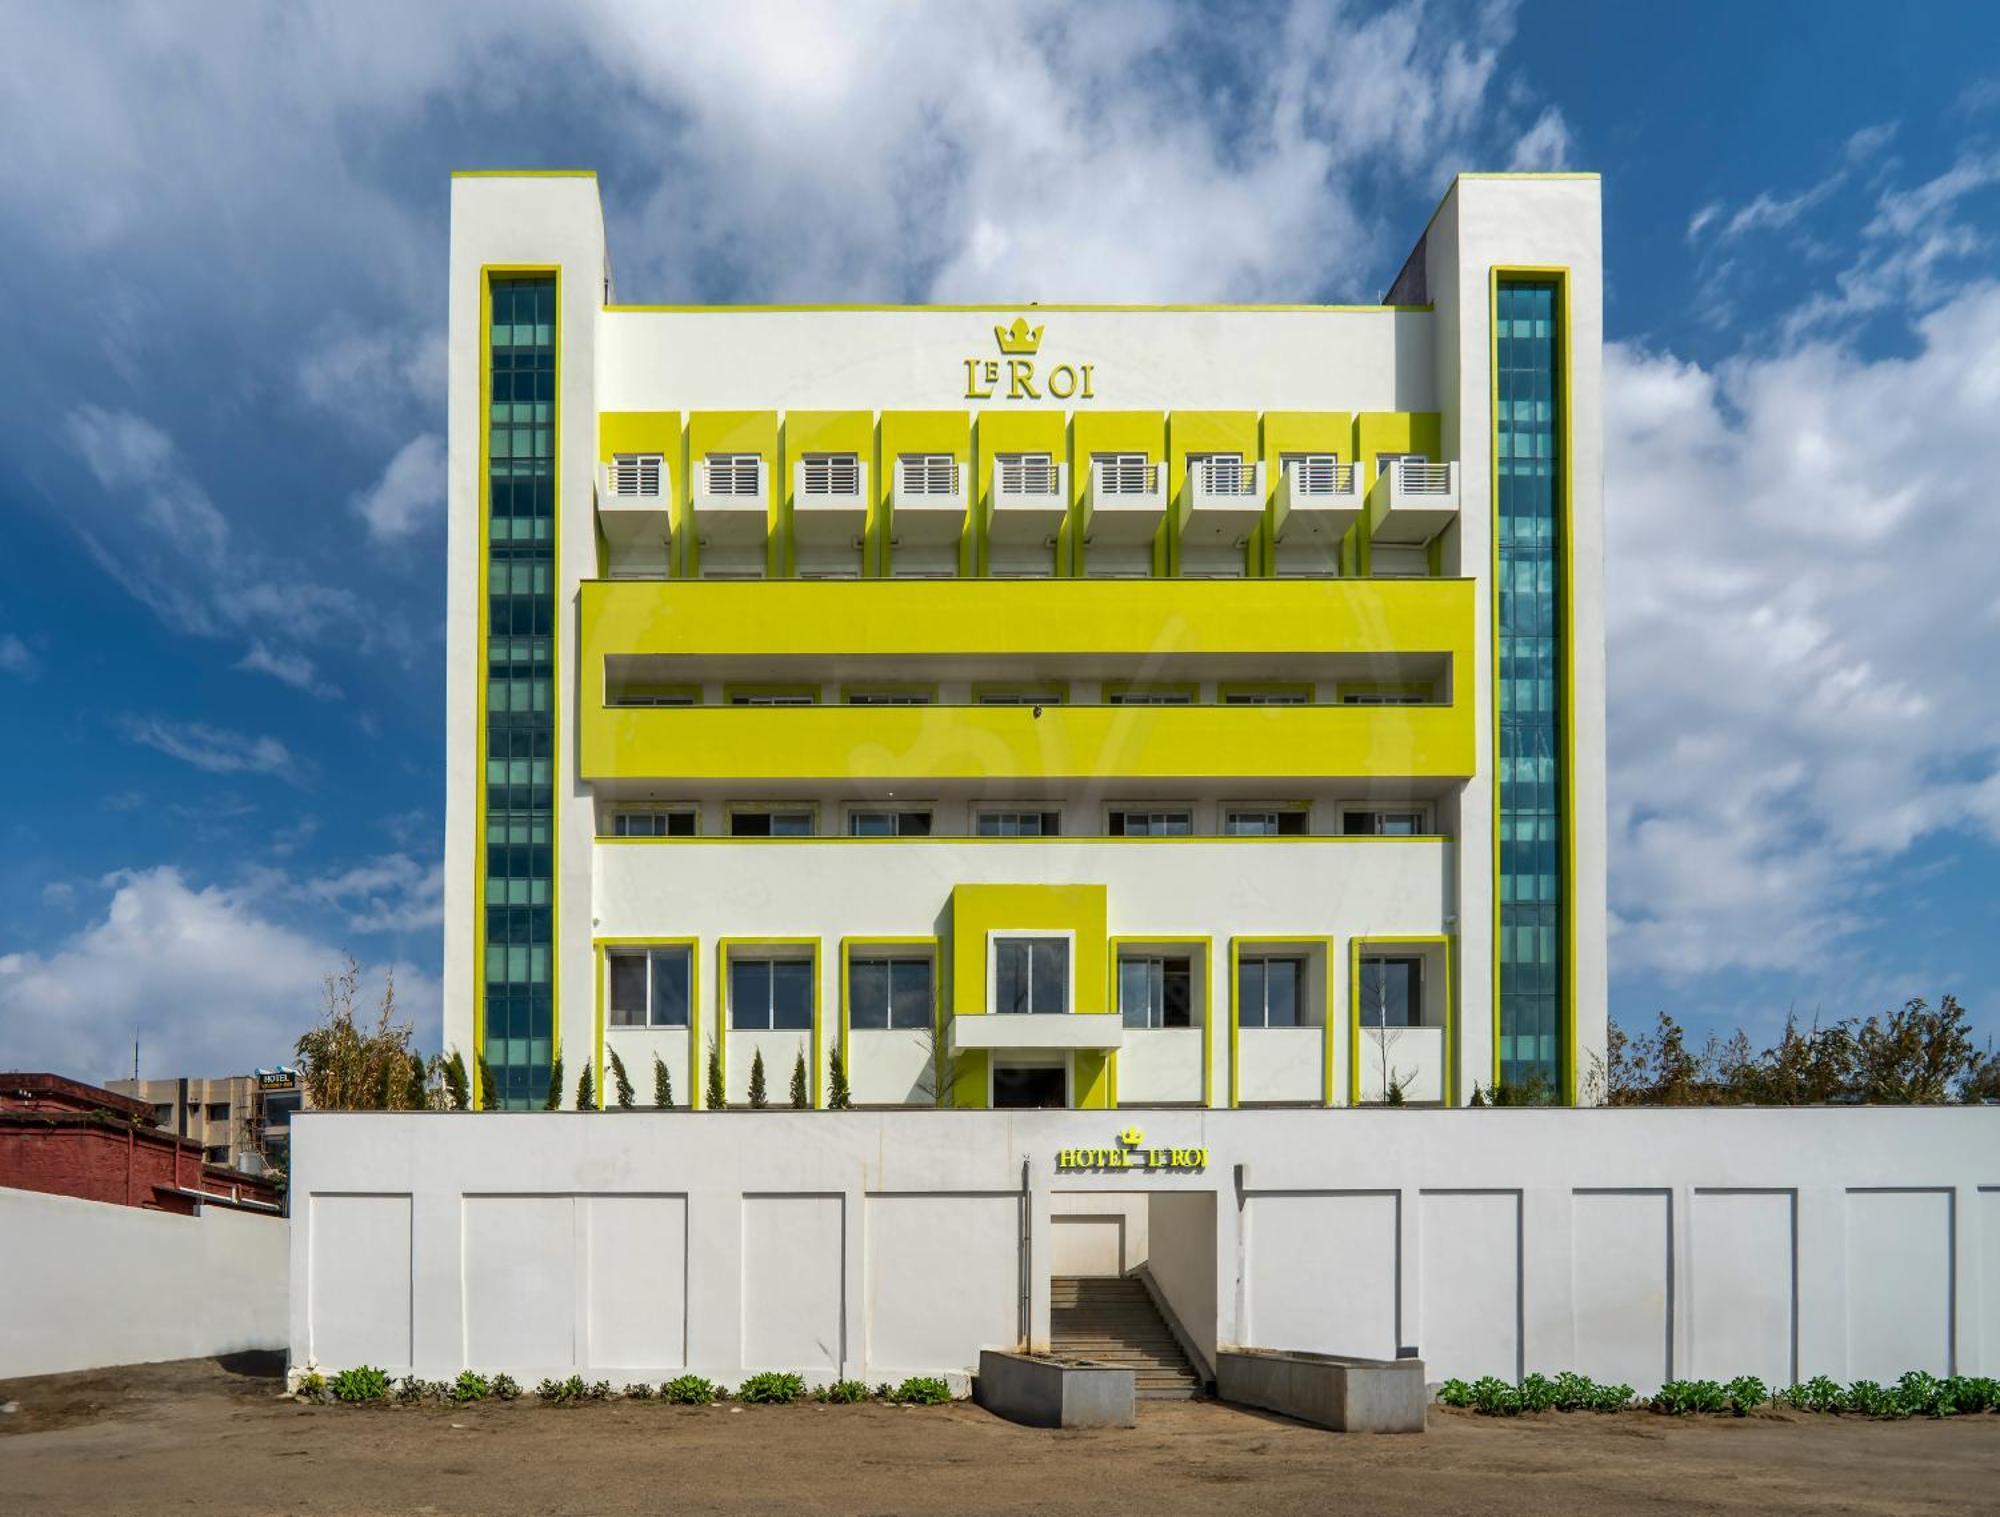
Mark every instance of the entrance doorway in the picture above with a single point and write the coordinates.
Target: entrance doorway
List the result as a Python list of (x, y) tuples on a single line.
[(1030, 1085)]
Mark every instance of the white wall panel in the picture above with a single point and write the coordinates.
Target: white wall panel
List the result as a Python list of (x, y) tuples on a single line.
[(1743, 1317), (1899, 1304), (519, 1262), (360, 1300), (944, 1279), (1620, 1268), (793, 1274), (637, 1276), (1471, 1270), (1323, 1272)]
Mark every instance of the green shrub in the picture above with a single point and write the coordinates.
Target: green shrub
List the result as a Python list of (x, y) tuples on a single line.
[(410, 1389), (1865, 1398), (772, 1388), (1818, 1394), (1454, 1393), (922, 1390), (1683, 1398), (621, 1083), (552, 1101), (717, 1097), (599, 1390), (638, 1390), (586, 1091), (1612, 1398), (885, 1391), (1537, 1394), (838, 1096), (362, 1383), (1495, 1397), (759, 1096), (562, 1392), (470, 1386), (1746, 1394), (842, 1392), (312, 1386), (1975, 1393), (1924, 1395), (688, 1390), (663, 1085), (504, 1388)]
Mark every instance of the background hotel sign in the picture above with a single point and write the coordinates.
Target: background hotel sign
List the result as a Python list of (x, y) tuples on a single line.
[(1132, 1153), (1016, 367)]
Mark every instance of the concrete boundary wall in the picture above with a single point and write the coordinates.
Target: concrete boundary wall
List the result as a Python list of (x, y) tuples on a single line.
[(85, 1284), (1631, 1245)]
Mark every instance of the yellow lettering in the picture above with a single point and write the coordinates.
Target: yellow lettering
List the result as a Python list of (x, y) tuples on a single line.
[(1021, 380), (972, 390), (1087, 393), (991, 369), (1062, 382)]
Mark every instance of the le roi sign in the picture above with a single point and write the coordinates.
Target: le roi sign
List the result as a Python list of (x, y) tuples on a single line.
[(1132, 1152), (1012, 376)]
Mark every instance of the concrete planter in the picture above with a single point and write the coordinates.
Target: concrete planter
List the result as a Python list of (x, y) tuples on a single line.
[(1042, 1392), (1329, 1390)]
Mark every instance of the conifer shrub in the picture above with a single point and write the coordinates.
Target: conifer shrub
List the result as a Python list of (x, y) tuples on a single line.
[(663, 1084), (838, 1096), (586, 1091), (717, 1098), (801, 1099), (621, 1083), (759, 1097), (552, 1101)]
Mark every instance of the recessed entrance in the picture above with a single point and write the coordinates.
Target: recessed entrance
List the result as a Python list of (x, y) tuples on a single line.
[(1030, 1085)]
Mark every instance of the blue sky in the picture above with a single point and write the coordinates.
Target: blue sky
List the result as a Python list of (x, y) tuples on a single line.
[(221, 476)]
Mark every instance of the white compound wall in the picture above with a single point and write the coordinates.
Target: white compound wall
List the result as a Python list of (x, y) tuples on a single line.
[(1631, 1245)]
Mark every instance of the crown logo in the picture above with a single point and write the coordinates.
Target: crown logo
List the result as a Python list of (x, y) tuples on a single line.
[(1019, 338), (1132, 1137)]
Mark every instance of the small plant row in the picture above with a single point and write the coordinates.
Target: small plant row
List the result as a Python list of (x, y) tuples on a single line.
[(1916, 1394), (366, 1384)]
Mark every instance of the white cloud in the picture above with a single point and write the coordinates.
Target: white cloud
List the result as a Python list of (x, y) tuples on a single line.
[(1803, 626), (215, 749), (392, 893), (16, 658), (212, 984), (410, 494), (371, 379), (1545, 145), (293, 669)]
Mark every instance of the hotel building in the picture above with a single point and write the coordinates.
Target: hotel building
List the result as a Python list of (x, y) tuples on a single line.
[(1032, 704)]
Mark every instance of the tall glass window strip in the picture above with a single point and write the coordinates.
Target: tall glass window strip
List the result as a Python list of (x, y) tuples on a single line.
[(1527, 437), (520, 673)]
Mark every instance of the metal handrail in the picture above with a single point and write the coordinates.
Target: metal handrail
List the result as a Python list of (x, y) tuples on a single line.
[(1418, 477), (1320, 476), (1124, 478)]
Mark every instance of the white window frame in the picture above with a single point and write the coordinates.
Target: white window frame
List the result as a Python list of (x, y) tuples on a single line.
[(621, 814), (999, 935), (1150, 809), (1303, 1004), (1419, 809), (1121, 473), (1318, 472), (1159, 953), (855, 813), (772, 808), (776, 953), (830, 474), (646, 952), (740, 474), (892, 954), (982, 812), (926, 474), (1018, 474), (1259, 808), (637, 476)]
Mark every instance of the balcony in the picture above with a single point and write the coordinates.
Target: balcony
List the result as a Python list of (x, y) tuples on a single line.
[(928, 505), (1412, 502), (1319, 500), (634, 509), (1030, 500), (1225, 502), (731, 501), (1125, 502), (829, 501), (1020, 1031)]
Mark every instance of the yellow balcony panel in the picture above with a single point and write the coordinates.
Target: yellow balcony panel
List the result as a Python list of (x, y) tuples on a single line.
[(1003, 618), (1014, 743)]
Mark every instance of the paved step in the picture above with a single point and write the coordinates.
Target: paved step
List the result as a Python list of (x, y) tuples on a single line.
[(1114, 1321)]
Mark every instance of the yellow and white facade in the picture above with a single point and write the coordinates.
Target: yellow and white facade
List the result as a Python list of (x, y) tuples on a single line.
[(1029, 704)]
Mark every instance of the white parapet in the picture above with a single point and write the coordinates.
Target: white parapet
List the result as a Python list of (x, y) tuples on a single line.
[(1225, 502), (1125, 502), (731, 502), (1319, 501), (634, 510), (1413, 501), (829, 501)]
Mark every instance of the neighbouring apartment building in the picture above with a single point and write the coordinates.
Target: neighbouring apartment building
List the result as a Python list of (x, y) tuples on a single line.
[(1032, 704), (240, 1121)]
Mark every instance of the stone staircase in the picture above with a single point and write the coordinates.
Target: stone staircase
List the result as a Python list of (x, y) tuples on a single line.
[(1114, 1321)]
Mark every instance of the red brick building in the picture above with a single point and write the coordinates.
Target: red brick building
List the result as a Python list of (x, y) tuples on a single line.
[(66, 1138)]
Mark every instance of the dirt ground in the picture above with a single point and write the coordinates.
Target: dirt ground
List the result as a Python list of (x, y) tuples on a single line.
[(218, 1439)]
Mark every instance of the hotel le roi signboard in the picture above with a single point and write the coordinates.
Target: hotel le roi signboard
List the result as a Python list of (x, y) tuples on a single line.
[(1013, 375), (1132, 1152)]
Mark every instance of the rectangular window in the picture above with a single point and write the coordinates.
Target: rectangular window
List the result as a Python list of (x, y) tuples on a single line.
[(1148, 698), (1031, 975), (651, 987), (1392, 992), (1312, 473), (927, 474), (1219, 473), (218, 1111), (1020, 698), (886, 994), (831, 473), (1121, 473), (1384, 698), (1018, 824), (735, 474), (888, 697), (1025, 473), (1301, 696), (218, 1155), (771, 824), (677, 823), (1270, 991), (652, 698), (770, 994), (1156, 990), (889, 824), (637, 475), (1264, 822), (1151, 823), (773, 698), (1386, 822)]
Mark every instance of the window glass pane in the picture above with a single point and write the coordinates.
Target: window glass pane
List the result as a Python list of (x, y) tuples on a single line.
[(1176, 993), (871, 824), (749, 824), (868, 994), (1050, 990), (791, 993), (1281, 993), (913, 824), (670, 987), (791, 824), (1250, 992), (749, 993), (910, 993), (628, 990), (1402, 824), (1135, 991), (1010, 975)]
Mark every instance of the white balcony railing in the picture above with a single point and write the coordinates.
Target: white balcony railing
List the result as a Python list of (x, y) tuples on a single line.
[(928, 518), (1413, 501), (634, 492), (1226, 480), (1419, 477), (927, 475), (831, 477), (1125, 480), (829, 503), (729, 480), (1029, 479), (1308, 480), (1030, 500)]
